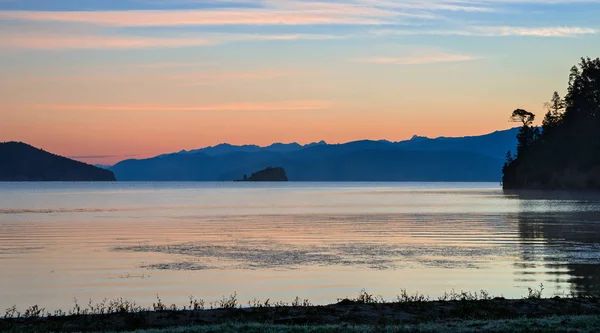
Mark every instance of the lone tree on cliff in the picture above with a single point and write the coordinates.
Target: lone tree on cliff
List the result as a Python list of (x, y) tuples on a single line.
[(527, 134)]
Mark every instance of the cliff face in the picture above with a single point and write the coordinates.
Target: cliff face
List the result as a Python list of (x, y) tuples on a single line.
[(22, 162), (268, 175)]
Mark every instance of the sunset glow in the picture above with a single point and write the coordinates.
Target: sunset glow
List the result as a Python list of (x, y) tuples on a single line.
[(102, 81)]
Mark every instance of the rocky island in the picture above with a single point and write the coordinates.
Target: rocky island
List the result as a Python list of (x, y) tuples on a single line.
[(565, 152), (269, 174), (22, 162)]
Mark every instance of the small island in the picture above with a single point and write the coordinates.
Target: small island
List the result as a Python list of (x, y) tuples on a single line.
[(22, 162), (565, 152), (269, 174)]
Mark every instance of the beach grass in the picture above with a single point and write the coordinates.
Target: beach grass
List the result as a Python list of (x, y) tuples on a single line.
[(554, 324), (408, 312)]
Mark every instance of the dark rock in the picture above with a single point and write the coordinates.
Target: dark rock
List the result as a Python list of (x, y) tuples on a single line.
[(269, 174)]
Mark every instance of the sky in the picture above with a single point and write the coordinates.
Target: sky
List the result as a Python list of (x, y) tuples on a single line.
[(107, 80)]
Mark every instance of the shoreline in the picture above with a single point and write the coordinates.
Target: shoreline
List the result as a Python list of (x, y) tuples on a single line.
[(347, 314)]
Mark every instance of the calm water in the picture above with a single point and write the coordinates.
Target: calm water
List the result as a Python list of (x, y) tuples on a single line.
[(320, 241)]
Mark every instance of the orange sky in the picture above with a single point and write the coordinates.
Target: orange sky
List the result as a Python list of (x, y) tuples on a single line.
[(139, 80)]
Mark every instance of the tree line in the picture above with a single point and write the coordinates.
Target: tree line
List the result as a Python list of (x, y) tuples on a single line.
[(565, 151)]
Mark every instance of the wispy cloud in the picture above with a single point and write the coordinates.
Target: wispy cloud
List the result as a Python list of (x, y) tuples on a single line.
[(495, 31), (267, 106), (49, 41), (276, 12), (188, 78), (419, 59), (251, 16), (174, 64), (536, 31), (394, 13)]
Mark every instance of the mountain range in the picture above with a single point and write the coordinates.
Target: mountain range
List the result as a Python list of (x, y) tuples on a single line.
[(472, 158)]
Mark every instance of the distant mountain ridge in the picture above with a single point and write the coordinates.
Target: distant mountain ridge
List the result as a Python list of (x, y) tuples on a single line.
[(22, 162), (226, 148), (473, 158), (494, 144)]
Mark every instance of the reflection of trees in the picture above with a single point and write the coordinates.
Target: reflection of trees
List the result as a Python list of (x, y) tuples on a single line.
[(560, 233)]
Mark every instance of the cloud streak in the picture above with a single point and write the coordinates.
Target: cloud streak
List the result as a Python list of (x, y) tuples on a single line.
[(496, 31), (251, 16), (267, 106), (536, 31), (423, 59), (64, 41), (189, 78), (52, 41)]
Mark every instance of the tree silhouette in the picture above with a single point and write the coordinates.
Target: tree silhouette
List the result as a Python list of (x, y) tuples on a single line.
[(553, 118), (527, 134), (525, 117), (566, 154)]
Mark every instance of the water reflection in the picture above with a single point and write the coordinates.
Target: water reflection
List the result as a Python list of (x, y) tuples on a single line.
[(560, 238), (319, 241)]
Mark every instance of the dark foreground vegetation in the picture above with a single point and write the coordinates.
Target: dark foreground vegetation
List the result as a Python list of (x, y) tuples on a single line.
[(455, 312), (22, 162), (565, 153)]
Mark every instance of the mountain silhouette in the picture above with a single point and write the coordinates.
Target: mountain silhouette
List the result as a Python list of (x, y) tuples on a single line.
[(22, 162), (475, 158), (226, 148)]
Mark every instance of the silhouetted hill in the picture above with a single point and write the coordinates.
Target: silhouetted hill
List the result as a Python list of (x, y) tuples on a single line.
[(226, 148), (495, 144), (387, 165), (22, 162), (193, 167), (269, 174), (477, 158)]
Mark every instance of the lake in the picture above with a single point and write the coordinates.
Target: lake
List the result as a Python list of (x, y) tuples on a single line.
[(320, 241)]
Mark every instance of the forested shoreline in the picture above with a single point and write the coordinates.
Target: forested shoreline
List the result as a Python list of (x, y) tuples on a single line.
[(565, 152)]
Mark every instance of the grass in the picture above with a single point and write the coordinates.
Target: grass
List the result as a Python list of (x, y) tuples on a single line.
[(454, 311), (122, 305), (554, 324)]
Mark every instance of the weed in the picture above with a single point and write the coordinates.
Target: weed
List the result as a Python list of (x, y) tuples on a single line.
[(366, 298), (121, 305), (297, 302), (76, 310), (535, 293), (230, 302), (159, 305), (404, 297), (12, 312), (482, 295), (33, 311), (196, 304), (280, 304)]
